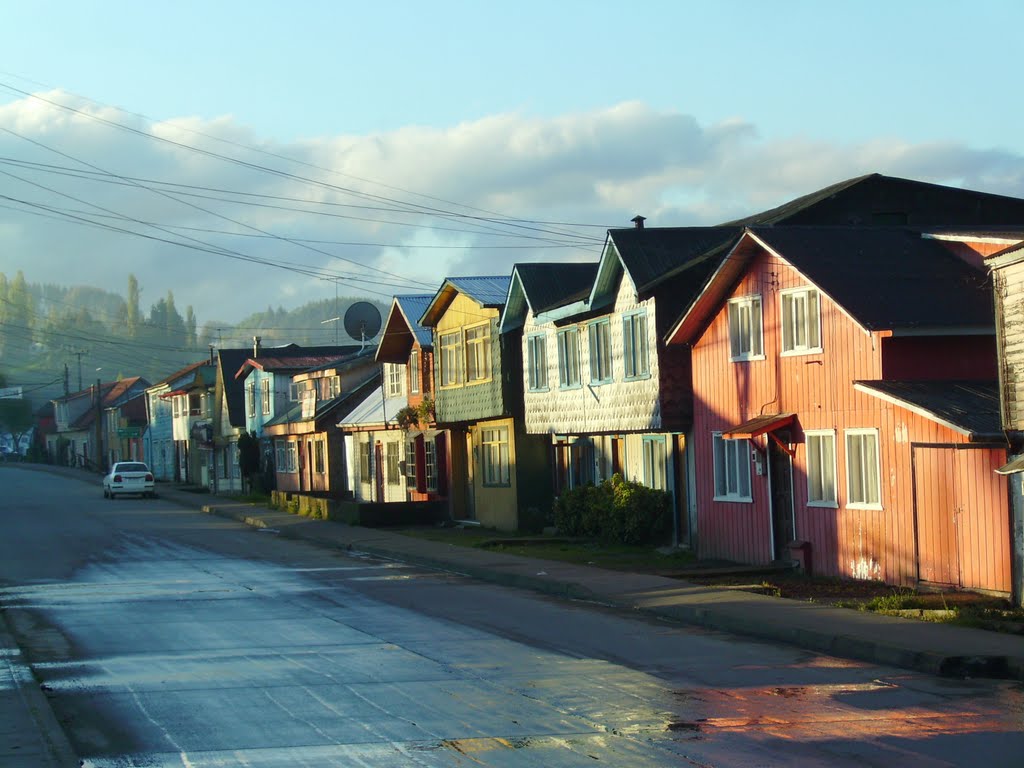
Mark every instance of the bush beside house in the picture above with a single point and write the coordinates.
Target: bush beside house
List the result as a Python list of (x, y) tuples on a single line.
[(616, 511)]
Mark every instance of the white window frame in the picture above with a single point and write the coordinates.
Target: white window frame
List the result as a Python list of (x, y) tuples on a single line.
[(477, 341), (745, 343), (319, 455), (494, 456), (537, 362), (635, 349), (265, 396), (732, 469), (366, 463), (820, 446), (292, 451), (800, 335), (863, 470), (392, 460), (655, 462), (569, 358), (430, 463), (410, 461), (451, 359), (414, 372), (250, 396), (599, 337), (395, 379)]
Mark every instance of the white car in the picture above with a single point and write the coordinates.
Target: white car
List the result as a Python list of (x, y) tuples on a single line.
[(128, 477)]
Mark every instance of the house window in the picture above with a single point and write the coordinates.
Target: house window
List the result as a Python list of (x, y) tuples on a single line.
[(410, 461), (365, 467), (318, 456), (265, 395), (414, 372), (569, 358), (331, 387), (478, 353), (654, 462), (282, 455), (176, 406), (801, 321), (600, 352), (863, 487), (451, 359), (392, 462), (634, 346), (745, 341), (250, 398), (430, 464), (294, 391), (494, 455), (732, 469), (821, 468), (395, 380), (293, 456), (537, 362)]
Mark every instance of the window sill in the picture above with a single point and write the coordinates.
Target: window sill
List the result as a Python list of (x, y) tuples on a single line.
[(638, 377), (569, 387), (748, 359), (538, 391), (602, 383), (496, 485), (864, 507), (735, 499), (802, 352), (822, 505), (478, 382)]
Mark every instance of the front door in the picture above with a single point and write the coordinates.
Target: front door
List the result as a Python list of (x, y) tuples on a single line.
[(780, 465)]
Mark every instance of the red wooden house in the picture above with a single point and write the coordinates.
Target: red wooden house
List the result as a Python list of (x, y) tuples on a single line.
[(846, 409)]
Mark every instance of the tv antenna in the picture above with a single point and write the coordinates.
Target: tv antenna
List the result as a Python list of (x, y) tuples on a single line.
[(362, 321)]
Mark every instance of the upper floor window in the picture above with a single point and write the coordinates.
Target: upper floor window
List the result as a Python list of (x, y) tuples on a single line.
[(395, 379), (863, 485), (250, 398), (745, 338), (495, 455), (569, 358), (634, 345), (600, 352), (732, 469), (414, 372), (451, 358), (537, 362), (265, 395), (821, 468), (478, 353), (801, 321)]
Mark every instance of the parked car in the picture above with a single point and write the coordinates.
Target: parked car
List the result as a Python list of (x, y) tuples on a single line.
[(128, 477)]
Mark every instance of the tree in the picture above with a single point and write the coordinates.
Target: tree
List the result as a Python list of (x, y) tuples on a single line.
[(190, 328), (133, 307), (249, 458)]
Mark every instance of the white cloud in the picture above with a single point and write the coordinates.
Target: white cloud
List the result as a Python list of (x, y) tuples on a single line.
[(386, 201)]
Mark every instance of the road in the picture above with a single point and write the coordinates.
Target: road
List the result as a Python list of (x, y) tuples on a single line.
[(165, 637)]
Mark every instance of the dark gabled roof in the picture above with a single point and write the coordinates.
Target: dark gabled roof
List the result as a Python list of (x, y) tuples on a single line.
[(336, 407), (188, 370), (651, 256), (229, 361), (555, 284), (887, 278), (413, 308), (875, 199), (970, 407), (294, 359)]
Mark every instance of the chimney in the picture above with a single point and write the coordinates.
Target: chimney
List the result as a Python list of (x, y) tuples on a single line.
[(256, 346), (638, 221)]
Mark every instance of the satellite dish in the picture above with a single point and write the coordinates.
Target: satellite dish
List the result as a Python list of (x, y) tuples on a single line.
[(362, 321)]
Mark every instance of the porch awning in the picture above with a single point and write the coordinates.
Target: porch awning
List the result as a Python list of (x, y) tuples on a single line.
[(173, 393), (1012, 467), (758, 426)]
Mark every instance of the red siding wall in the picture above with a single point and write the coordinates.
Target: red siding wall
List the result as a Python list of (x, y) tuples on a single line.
[(861, 543)]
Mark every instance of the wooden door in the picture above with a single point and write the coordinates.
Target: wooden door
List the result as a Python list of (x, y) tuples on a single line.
[(780, 465), (935, 510)]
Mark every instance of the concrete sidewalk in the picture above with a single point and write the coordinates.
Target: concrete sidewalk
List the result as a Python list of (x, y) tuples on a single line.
[(938, 649)]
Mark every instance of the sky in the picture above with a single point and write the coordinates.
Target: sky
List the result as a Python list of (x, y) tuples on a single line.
[(245, 155)]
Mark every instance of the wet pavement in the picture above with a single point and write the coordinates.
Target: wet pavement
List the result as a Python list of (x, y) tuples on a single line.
[(162, 649)]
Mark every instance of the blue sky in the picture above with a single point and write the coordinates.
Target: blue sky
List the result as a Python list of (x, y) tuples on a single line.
[(583, 113)]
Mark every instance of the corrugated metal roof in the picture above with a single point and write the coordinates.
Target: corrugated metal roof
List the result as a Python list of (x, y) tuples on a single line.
[(489, 291), (971, 406), (887, 278), (371, 411), (413, 308)]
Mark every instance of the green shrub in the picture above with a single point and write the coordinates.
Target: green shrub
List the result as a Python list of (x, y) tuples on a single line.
[(616, 511)]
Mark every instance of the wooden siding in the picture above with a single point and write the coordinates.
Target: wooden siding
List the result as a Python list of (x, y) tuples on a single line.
[(1009, 298), (845, 541), (617, 406), (469, 402)]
